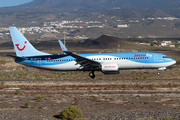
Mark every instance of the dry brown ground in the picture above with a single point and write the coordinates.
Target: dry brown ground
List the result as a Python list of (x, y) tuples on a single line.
[(118, 99), (108, 97)]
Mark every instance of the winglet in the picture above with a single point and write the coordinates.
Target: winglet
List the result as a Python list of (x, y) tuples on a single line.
[(64, 49)]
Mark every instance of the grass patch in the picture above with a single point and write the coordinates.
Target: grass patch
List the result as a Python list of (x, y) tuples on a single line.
[(27, 104), (17, 92), (2, 61), (167, 118), (150, 118), (39, 97)]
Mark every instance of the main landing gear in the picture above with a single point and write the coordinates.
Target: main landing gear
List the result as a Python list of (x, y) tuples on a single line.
[(91, 74)]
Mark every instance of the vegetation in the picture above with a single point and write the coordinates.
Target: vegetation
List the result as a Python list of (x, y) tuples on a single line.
[(71, 113), (2, 61), (150, 118), (170, 84), (27, 104), (17, 92), (39, 97), (167, 118), (2, 83)]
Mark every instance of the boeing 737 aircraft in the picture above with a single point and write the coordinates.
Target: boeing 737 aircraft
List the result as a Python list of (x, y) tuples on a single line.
[(107, 63)]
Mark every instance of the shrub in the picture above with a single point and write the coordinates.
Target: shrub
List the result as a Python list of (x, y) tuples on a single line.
[(125, 85), (17, 92), (2, 61), (150, 118), (27, 104), (39, 97), (152, 85), (169, 84), (2, 83), (71, 113), (168, 118)]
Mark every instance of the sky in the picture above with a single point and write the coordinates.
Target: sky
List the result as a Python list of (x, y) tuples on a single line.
[(7, 3)]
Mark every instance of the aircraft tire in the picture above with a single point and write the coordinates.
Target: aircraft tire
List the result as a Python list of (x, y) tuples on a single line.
[(91, 74)]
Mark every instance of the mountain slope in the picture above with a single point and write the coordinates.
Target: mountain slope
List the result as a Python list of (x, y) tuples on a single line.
[(69, 5), (102, 42)]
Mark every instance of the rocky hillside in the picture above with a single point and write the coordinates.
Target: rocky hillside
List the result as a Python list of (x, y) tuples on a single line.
[(72, 5)]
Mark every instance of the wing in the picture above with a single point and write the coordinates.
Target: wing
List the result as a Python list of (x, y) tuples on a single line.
[(85, 63)]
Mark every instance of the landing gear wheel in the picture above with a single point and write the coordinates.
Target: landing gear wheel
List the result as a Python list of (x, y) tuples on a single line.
[(91, 74), (158, 73)]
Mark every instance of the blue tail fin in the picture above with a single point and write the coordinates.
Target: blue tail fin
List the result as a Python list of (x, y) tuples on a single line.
[(64, 49), (22, 46)]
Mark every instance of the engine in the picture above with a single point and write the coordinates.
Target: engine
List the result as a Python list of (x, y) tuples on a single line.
[(110, 68)]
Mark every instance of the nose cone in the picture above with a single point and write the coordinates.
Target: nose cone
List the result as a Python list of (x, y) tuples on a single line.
[(172, 61)]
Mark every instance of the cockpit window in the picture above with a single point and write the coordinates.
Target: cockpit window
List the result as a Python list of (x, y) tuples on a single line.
[(165, 56)]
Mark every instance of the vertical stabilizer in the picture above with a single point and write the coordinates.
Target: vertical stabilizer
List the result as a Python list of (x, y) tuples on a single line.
[(64, 49), (22, 46)]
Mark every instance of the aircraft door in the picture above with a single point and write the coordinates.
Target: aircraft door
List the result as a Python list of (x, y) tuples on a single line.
[(155, 58), (39, 61)]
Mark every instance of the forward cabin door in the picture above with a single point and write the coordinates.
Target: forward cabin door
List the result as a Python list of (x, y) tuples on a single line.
[(155, 58), (39, 61)]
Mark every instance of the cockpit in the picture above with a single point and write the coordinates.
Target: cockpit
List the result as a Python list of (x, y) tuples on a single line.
[(165, 57)]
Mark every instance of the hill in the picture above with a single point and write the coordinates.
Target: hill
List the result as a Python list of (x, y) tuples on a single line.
[(94, 5), (102, 42)]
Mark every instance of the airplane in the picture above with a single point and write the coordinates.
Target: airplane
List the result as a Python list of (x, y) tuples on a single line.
[(107, 63)]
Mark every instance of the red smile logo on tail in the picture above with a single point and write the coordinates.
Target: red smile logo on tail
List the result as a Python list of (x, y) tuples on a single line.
[(20, 49)]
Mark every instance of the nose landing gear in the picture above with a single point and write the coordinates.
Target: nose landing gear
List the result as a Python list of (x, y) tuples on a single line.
[(91, 74)]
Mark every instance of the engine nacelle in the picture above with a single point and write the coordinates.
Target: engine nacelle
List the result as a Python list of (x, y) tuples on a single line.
[(163, 68), (110, 68)]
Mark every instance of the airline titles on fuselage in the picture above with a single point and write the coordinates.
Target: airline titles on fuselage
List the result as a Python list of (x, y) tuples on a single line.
[(142, 55)]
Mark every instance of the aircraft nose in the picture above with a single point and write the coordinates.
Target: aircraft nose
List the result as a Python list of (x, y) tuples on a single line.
[(171, 61), (174, 62)]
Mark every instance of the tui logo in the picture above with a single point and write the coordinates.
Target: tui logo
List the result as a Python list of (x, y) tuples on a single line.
[(20, 49)]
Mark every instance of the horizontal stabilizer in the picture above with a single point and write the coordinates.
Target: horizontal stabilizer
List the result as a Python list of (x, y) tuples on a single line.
[(22, 58)]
